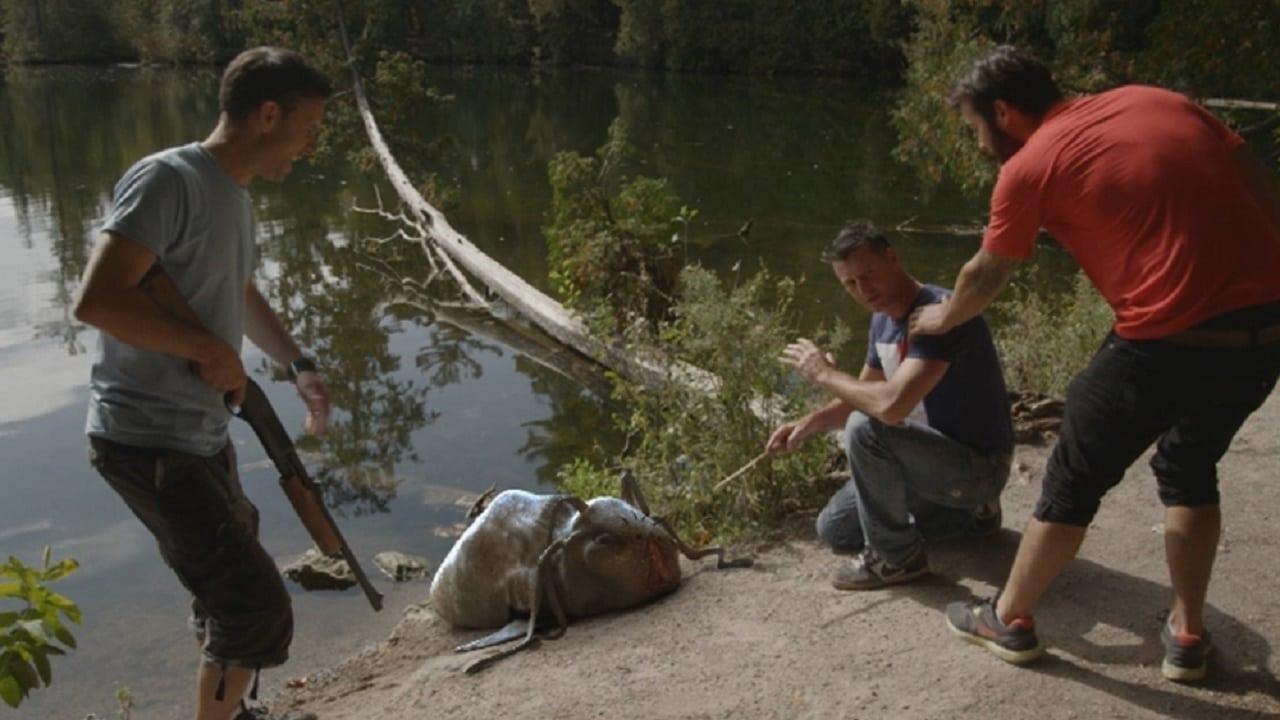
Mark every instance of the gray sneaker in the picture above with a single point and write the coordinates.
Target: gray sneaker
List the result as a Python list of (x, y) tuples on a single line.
[(1186, 657), (869, 571)]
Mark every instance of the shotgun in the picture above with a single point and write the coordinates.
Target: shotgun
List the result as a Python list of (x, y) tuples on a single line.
[(256, 410)]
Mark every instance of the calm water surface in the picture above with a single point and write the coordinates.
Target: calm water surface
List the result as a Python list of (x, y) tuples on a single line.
[(423, 407)]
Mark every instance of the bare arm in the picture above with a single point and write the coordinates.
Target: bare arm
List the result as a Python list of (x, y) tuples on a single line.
[(263, 328), (980, 281), (110, 299), (832, 416), (1262, 185), (889, 401)]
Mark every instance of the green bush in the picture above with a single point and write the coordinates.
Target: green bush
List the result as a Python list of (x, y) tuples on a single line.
[(1044, 342), (30, 635), (683, 439), (613, 240)]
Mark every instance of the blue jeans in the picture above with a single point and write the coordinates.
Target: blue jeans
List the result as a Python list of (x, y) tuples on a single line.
[(910, 482)]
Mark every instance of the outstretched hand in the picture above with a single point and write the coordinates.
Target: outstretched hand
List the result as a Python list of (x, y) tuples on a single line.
[(807, 358), (315, 395)]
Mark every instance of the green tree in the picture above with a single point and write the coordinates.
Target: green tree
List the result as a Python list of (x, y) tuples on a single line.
[(59, 30), (1203, 49), (612, 241), (684, 439)]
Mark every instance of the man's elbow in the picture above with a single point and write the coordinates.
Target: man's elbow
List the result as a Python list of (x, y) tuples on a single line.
[(83, 310), (89, 309), (891, 413)]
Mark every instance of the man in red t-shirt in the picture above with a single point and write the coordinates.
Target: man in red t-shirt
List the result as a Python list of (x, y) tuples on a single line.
[(1178, 226)]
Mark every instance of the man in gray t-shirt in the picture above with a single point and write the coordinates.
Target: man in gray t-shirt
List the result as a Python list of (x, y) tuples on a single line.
[(159, 387)]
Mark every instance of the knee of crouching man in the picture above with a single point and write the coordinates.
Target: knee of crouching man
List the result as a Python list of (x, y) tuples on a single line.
[(860, 430)]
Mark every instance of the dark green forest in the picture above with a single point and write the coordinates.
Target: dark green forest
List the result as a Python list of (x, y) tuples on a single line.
[(1205, 49)]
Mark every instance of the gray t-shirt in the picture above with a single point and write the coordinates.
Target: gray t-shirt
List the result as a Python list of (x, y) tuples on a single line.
[(182, 206)]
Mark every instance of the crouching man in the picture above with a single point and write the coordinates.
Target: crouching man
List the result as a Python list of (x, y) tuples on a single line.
[(926, 423)]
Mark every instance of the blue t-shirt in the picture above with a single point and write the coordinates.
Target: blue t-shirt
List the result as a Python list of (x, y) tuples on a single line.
[(182, 206), (970, 404)]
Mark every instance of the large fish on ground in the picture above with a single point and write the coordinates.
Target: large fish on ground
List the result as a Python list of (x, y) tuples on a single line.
[(529, 560)]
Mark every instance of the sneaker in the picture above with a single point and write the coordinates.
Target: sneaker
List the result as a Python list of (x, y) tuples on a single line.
[(977, 622), (986, 521), (869, 571), (1186, 657)]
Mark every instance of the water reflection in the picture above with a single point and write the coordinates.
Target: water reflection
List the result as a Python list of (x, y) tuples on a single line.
[(430, 402)]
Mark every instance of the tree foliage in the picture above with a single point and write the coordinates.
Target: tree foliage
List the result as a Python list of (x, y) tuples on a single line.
[(613, 239), (616, 245), (1044, 340), (683, 440), (836, 37), (1203, 49), (36, 631)]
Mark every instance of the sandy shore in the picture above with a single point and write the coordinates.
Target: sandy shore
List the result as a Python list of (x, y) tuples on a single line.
[(777, 641)]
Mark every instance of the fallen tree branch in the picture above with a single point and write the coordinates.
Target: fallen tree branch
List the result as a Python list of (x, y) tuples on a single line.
[(457, 253), (1232, 104)]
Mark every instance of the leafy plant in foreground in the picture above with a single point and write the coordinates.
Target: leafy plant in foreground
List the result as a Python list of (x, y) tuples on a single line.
[(30, 635)]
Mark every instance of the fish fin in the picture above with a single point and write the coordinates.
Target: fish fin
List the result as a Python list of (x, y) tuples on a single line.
[(481, 504), (511, 631), (631, 493)]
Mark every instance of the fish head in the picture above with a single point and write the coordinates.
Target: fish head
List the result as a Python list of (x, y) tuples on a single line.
[(626, 553)]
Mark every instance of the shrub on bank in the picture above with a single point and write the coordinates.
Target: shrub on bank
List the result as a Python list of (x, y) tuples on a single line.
[(1045, 341)]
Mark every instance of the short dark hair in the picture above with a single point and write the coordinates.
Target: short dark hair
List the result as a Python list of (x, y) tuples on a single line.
[(856, 234), (265, 73), (1009, 74)]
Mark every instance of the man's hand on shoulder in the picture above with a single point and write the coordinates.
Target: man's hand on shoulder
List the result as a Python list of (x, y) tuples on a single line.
[(930, 320)]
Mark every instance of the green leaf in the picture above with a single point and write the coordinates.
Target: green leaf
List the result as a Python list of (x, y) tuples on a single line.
[(61, 570), (10, 590), (7, 619), (65, 637), (10, 692), (36, 629), (25, 674), (43, 667)]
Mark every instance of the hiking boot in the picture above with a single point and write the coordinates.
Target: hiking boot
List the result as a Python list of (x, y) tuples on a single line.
[(1186, 657), (986, 521), (977, 622), (869, 571)]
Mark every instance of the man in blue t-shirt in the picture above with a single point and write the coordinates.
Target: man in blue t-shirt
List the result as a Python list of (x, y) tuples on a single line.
[(926, 423), (159, 387)]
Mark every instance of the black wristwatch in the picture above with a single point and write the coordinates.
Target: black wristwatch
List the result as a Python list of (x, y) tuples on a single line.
[(302, 364)]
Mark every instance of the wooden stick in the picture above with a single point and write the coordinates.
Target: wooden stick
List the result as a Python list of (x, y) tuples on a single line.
[(1234, 104), (740, 471)]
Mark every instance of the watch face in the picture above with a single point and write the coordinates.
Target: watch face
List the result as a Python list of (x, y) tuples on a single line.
[(303, 364)]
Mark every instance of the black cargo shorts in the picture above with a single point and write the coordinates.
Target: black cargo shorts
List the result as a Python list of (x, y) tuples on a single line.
[(207, 531), (1190, 400)]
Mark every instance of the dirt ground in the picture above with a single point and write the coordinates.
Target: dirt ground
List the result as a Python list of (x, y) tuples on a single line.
[(777, 641)]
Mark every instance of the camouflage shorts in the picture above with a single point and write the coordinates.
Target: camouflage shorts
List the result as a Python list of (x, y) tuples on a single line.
[(207, 532)]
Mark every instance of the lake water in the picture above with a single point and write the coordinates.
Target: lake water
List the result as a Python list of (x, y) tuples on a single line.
[(426, 410)]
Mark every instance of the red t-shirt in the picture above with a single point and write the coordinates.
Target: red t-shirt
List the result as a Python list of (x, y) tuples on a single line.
[(1140, 186)]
